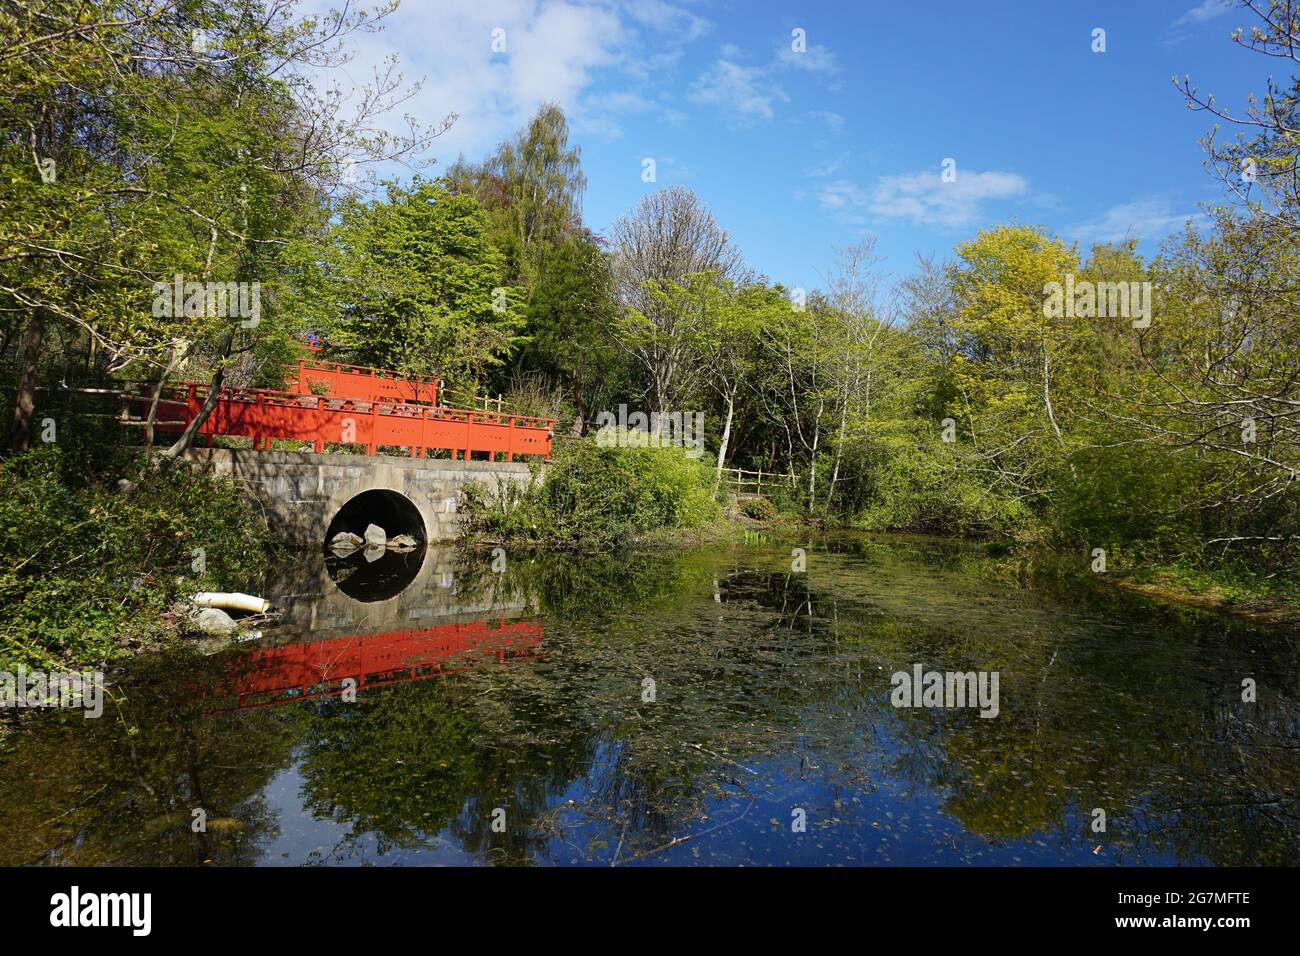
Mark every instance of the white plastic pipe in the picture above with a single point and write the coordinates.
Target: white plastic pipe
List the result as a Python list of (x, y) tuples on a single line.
[(233, 601)]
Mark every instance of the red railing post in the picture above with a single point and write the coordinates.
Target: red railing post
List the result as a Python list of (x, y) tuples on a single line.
[(318, 439)]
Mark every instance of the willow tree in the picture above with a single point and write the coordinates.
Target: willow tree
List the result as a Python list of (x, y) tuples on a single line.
[(532, 189)]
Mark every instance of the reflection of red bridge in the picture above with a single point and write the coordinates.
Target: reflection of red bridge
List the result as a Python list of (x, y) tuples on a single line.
[(266, 676)]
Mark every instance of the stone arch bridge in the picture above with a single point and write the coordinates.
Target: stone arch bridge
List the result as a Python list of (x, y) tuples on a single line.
[(307, 495)]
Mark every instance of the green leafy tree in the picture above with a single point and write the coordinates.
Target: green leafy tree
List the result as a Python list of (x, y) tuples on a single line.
[(142, 141), (571, 320), (418, 287), (532, 189)]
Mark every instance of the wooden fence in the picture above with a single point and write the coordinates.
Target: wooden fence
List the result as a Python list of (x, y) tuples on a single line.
[(750, 483)]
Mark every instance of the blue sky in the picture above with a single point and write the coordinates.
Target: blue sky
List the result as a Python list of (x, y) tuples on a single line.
[(796, 153)]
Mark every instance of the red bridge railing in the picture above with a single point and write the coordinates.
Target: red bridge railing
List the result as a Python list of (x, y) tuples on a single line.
[(265, 415), (360, 382)]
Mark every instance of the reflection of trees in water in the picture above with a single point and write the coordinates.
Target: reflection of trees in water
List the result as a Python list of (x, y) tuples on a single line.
[(1132, 723), (1144, 723), (409, 760), (789, 672), (121, 789), (1131, 720)]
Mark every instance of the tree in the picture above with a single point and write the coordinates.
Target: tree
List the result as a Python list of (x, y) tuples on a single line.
[(143, 141), (1012, 357), (543, 180), (532, 189), (730, 342), (853, 292), (571, 319), (1260, 166), (669, 235), (417, 283), (1217, 378)]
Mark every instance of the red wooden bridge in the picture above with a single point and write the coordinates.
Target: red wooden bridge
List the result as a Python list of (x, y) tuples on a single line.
[(353, 405)]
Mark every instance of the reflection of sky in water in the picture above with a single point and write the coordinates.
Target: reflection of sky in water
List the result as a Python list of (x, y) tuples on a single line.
[(888, 824), (309, 840)]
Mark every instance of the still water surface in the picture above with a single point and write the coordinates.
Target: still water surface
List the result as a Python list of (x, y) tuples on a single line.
[(682, 708)]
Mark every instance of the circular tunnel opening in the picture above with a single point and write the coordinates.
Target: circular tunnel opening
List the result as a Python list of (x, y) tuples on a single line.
[(375, 572)]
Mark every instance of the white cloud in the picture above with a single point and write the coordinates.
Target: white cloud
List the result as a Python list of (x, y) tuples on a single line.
[(1151, 219), (1206, 10), (834, 121), (555, 51), (922, 198), (844, 199), (815, 59), (667, 18), (827, 167), (749, 93), (742, 93)]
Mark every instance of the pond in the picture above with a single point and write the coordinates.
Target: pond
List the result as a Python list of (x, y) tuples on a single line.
[(732, 706)]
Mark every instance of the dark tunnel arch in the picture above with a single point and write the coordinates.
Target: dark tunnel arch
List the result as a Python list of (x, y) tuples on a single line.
[(362, 575), (391, 510)]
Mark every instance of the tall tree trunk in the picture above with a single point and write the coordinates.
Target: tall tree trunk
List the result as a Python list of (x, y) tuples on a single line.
[(812, 462), (20, 436), (579, 423), (726, 438), (839, 451), (173, 360), (661, 383), (179, 446)]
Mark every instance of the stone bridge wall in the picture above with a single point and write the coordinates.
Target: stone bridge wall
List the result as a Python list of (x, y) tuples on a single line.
[(304, 491)]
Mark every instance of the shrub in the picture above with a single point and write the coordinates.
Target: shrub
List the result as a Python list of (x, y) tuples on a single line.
[(760, 509), (924, 488), (603, 495), (1139, 497), (85, 572)]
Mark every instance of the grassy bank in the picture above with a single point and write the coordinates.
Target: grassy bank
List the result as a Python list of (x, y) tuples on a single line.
[(1263, 598), (89, 572)]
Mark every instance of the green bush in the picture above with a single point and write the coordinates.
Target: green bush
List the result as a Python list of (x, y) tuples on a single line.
[(759, 509), (922, 487), (85, 572), (602, 495), (1133, 499)]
